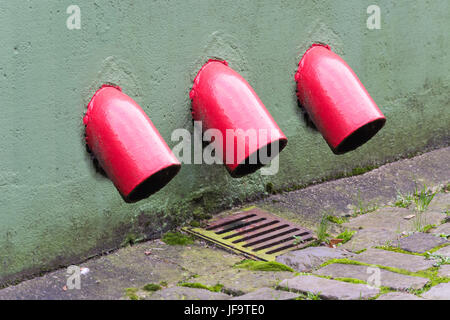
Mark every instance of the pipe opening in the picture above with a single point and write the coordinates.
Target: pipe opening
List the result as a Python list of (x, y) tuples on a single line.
[(245, 167), (360, 136), (153, 183)]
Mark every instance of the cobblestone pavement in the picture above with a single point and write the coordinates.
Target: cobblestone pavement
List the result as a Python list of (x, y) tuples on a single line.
[(396, 248)]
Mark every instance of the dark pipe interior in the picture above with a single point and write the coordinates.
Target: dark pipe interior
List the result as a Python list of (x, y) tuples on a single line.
[(152, 184), (360, 136), (245, 167)]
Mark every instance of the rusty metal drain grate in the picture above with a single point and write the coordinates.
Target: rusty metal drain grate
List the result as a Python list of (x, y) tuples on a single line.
[(255, 233)]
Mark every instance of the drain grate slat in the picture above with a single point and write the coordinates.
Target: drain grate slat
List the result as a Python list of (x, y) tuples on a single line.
[(255, 233), (239, 225), (274, 241), (262, 232), (271, 236), (229, 220), (254, 228)]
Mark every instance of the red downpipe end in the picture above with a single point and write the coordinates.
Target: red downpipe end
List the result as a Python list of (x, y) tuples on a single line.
[(223, 100), (335, 100), (127, 145)]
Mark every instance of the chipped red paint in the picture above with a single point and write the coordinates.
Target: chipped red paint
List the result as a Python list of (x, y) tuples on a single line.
[(336, 101), (127, 145), (223, 100)]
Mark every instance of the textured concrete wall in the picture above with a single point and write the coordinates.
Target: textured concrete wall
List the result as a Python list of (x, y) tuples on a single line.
[(56, 209)]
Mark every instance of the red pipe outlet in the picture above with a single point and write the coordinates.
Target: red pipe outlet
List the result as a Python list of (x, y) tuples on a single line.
[(223, 100), (336, 101), (127, 145)]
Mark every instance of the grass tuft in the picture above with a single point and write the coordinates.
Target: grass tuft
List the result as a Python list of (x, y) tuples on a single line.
[(322, 229), (362, 207), (346, 235), (337, 220)]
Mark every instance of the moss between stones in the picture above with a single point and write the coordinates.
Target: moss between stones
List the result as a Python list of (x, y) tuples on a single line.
[(177, 238), (351, 280), (383, 290), (308, 296), (428, 227), (195, 224), (152, 287), (131, 293), (438, 247), (446, 188), (163, 283), (262, 266), (129, 240), (216, 288), (359, 170)]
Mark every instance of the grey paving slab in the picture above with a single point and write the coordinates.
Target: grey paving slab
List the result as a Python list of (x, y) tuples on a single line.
[(444, 251), (184, 293), (329, 289), (398, 296), (267, 294), (440, 202), (387, 278), (240, 281), (403, 261), (420, 242), (444, 271), (370, 237), (310, 258), (442, 229), (439, 292), (393, 219)]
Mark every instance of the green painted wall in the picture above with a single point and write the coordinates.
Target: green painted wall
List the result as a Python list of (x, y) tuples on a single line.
[(56, 209)]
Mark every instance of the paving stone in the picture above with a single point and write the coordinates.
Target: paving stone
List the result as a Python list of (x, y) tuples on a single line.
[(128, 267), (444, 271), (389, 279), (420, 242), (439, 292), (370, 237), (442, 229), (267, 294), (444, 251), (392, 219), (329, 289), (398, 296), (310, 258), (184, 293), (403, 261), (440, 202), (241, 281)]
